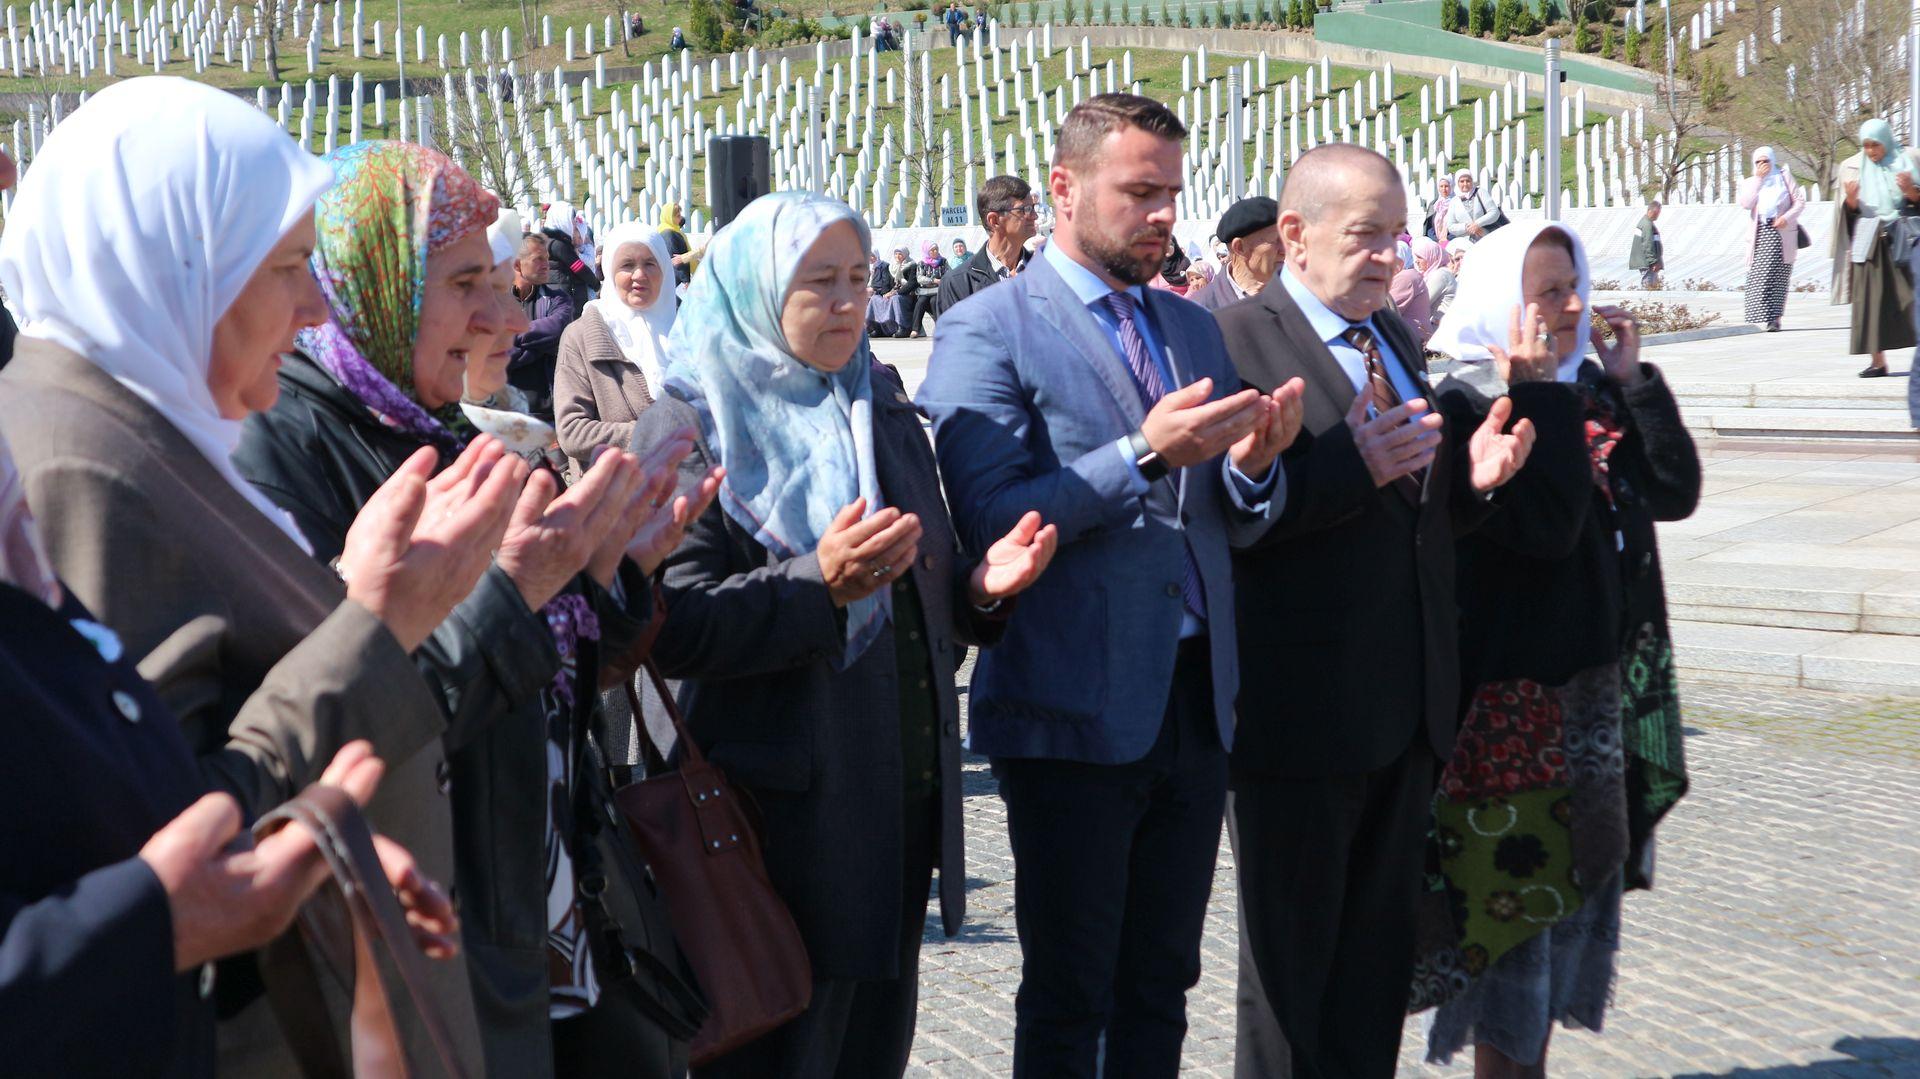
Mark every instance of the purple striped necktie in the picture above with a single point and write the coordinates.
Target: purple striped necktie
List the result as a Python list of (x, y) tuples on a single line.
[(1147, 380)]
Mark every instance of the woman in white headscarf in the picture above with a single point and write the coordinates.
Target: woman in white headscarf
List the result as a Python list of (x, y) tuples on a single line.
[(1770, 196), (1473, 214), (1569, 750), (154, 315), (610, 358), (1880, 183)]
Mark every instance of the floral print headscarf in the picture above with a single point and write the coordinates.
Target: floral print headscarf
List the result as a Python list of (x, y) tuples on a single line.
[(392, 205)]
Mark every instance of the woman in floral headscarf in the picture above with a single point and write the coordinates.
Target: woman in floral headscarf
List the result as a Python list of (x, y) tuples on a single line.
[(406, 267), (817, 612)]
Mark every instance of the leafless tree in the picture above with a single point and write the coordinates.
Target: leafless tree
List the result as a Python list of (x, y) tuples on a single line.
[(1846, 67), (494, 141), (1676, 102), (929, 169), (272, 12)]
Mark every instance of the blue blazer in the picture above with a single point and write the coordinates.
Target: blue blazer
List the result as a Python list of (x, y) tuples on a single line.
[(1028, 397)]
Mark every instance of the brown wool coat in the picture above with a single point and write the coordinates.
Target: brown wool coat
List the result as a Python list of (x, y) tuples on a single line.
[(597, 393)]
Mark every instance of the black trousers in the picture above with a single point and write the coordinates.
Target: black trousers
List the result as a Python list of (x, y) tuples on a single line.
[(1113, 865), (1330, 872), (918, 310), (855, 1029), (615, 1040)]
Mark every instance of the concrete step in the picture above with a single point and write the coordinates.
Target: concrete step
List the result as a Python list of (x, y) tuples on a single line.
[(1842, 599), (1878, 424), (1858, 393), (1809, 658)]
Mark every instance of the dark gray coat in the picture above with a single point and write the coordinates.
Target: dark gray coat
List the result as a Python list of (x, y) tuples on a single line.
[(820, 749), (320, 455)]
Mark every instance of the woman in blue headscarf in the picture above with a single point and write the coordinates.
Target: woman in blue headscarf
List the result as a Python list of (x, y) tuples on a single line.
[(1879, 186), (817, 612)]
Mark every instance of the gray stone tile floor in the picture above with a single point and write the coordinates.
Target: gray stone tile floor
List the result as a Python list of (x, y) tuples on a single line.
[(1780, 943)]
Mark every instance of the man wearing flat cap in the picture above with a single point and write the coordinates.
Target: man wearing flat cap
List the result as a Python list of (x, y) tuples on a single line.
[(1251, 232)]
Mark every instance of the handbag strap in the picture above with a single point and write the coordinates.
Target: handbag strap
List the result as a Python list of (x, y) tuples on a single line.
[(333, 820), (689, 749)]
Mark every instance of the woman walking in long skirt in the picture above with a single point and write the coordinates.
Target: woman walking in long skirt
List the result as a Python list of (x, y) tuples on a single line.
[(1772, 239), (1878, 185)]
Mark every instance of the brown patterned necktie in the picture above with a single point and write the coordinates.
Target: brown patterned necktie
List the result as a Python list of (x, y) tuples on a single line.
[(1384, 396)]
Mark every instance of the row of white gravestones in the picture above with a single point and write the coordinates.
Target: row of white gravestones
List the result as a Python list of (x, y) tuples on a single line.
[(570, 149), (86, 40)]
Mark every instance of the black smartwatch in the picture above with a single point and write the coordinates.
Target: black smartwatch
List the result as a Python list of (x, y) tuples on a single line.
[(1146, 458)]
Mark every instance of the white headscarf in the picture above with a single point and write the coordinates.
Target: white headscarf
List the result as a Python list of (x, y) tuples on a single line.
[(562, 216), (137, 225), (1490, 288), (1776, 191), (503, 236), (642, 334)]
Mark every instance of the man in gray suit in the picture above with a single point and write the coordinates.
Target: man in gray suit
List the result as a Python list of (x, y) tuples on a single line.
[(1107, 709)]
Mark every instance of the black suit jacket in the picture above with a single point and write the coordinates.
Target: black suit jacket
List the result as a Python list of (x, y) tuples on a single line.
[(973, 275), (91, 765), (1347, 623)]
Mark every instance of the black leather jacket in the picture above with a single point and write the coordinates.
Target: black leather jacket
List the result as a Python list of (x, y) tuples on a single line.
[(319, 454)]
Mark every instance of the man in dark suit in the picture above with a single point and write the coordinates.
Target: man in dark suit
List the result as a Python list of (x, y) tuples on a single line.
[(1006, 208), (1107, 708), (1346, 631), (1250, 228)]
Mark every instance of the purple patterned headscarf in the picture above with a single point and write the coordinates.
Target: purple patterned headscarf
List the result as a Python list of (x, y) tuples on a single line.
[(393, 204)]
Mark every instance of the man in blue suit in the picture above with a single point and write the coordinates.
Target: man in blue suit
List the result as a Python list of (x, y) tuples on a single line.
[(1107, 709)]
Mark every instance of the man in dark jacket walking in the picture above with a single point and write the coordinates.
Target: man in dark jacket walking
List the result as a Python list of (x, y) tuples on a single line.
[(1645, 255), (550, 311), (1006, 208)]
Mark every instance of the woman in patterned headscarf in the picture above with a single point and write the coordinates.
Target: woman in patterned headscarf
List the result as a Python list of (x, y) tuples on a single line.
[(1569, 751), (406, 267), (817, 612)]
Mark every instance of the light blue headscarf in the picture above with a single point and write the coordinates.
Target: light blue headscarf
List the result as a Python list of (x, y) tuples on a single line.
[(1878, 188), (796, 441)]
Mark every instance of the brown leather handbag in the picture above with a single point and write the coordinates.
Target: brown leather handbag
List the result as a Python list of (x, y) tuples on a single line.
[(734, 929), (290, 965)]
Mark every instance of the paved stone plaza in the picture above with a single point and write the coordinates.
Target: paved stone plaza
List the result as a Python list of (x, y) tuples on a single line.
[(1782, 939), (1780, 943)]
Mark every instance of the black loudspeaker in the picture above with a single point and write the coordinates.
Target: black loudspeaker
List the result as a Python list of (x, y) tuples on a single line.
[(739, 170)]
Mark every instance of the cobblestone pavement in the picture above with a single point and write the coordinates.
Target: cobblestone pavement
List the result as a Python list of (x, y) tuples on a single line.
[(1781, 942)]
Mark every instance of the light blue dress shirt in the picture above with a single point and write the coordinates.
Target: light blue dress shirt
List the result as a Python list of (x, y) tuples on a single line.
[(1330, 325), (1247, 495)]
